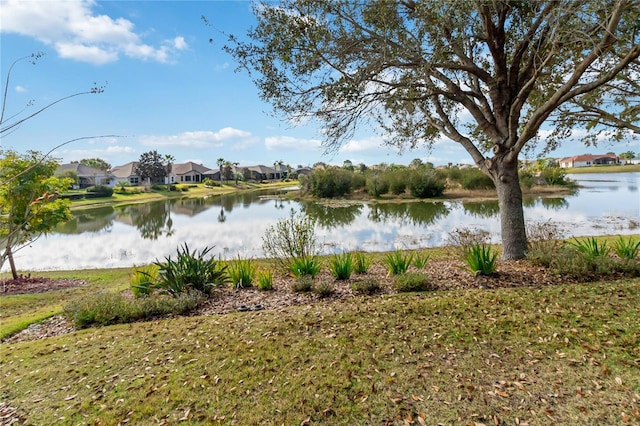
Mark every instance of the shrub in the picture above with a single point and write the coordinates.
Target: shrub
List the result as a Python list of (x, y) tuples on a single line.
[(412, 281), (426, 184), (398, 262), (107, 308), (306, 265), (102, 190), (323, 289), (377, 185), (464, 238), (527, 179), (554, 176), (545, 242), (361, 263), (626, 249), (328, 183), (143, 279), (341, 266), (420, 260), (366, 286), (302, 284), (291, 238), (265, 280), (480, 260), (473, 178), (191, 271), (242, 272)]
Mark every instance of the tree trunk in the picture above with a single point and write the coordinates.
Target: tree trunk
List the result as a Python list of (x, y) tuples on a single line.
[(9, 255), (514, 237)]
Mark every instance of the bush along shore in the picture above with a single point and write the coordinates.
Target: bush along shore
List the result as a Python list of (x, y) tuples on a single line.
[(448, 335)]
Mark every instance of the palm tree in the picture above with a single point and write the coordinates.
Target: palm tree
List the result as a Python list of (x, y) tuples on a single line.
[(169, 159), (220, 164)]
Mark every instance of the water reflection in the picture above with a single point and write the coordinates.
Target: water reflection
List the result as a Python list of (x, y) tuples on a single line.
[(554, 203), (235, 224), (484, 209), (331, 216)]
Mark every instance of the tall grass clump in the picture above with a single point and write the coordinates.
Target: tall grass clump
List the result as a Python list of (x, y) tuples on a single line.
[(480, 260), (397, 262), (341, 265), (265, 279), (591, 247), (305, 266), (242, 272), (191, 271), (626, 248), (290, 239), (420, 260), (473, 249), (361, 263)]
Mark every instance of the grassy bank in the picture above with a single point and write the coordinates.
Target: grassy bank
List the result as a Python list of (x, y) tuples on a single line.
[(136, 195), (557, 354), (628, 168)]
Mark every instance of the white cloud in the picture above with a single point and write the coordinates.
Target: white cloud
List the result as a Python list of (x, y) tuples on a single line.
[(288, 142), (21, 89), (76, 32), (196, 139), (360, 145)]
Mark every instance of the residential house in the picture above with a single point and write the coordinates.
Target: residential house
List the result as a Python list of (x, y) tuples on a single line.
[(126, 173), (588, 160), (261, 172), (191, 172), (87, 176)]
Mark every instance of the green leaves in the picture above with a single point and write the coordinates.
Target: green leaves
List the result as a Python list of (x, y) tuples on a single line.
[(479, 259)]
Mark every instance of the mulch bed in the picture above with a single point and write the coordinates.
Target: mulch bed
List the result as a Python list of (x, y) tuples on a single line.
[(443, 274), (28, 284)]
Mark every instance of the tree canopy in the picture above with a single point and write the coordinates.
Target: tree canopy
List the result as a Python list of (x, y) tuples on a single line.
[(487, 75), (96, 163), (151, 166)]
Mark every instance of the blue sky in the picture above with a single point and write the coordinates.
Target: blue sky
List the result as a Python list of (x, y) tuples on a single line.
[(167, 88)]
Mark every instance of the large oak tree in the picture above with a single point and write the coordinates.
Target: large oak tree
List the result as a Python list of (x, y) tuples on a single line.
[(416, 67)]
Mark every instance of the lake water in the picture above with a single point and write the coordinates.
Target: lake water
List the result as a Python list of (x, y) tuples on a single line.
[(235, 224)]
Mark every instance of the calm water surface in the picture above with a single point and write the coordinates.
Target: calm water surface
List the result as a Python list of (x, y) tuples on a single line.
[(235, 224)]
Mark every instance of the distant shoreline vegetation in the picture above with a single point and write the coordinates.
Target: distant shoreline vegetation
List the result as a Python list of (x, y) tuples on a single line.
[(421, 182)]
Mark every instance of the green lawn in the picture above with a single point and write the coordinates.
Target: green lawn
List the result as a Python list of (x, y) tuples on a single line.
[(628, 168), (553, 355)]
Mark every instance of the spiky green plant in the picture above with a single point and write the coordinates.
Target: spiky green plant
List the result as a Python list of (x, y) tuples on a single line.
[(341, 265), (397, 262), (361, 263), (420, 260), (626, 248), (265, 279), (591, 247), (191, 271), (305, 265), (480, 260), (242, 272)]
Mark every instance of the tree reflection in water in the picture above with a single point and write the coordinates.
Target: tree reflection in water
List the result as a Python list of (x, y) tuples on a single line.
[(411, 213), (331, 216)]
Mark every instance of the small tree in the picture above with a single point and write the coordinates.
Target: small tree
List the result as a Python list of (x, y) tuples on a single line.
[(96, 163), (29, 203), (150, 166), (220, 163)]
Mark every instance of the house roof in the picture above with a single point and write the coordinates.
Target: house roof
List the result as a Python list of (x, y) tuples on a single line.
[(125, 170), (80, 169), (587, 157), (183, 169)]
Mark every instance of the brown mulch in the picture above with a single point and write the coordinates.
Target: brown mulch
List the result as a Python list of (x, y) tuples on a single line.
[(443, 274), (27, 284)]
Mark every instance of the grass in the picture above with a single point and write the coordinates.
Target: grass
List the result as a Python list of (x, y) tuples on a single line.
[(628, 168), (565, 354)]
